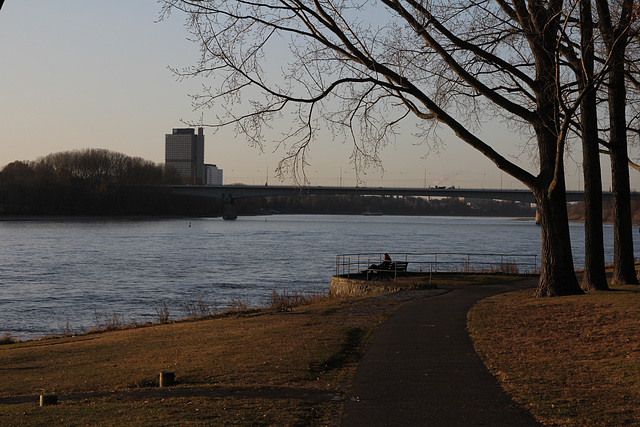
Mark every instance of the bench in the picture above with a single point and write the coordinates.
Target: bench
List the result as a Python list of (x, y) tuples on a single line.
[(394, 268), (399, 266)]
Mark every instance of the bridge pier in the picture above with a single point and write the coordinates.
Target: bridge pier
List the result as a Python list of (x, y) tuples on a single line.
[(229, 212)]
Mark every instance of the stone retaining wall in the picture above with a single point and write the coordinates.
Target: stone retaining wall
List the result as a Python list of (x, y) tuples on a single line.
[(343, 286)]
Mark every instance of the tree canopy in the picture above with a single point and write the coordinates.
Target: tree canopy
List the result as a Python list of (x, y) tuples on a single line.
[(90, 181), (360, 68)]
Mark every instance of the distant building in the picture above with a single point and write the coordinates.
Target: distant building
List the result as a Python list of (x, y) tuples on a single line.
[(213, 175), (184, 151)]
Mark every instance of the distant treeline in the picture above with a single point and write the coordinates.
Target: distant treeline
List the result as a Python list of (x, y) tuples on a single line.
[(102, 182), (576, 212), (92, 182), (387, 205)]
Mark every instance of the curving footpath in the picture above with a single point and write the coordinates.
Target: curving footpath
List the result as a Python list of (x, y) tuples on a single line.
[(421, 369)]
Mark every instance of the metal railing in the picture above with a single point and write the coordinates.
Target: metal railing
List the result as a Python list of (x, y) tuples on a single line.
[(348, 264)]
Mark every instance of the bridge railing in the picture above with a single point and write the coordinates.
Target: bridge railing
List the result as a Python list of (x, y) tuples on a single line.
[(454, 262)]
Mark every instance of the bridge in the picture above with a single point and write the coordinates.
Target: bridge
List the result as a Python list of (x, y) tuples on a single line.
[(229, 193)]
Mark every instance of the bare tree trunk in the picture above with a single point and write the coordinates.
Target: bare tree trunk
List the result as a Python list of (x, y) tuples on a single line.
[(616, 40), (557, 275), (594, 277), (594, 265), (623, 256), (557, 272)]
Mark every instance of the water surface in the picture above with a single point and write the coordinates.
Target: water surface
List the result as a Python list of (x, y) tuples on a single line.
[(57, 275)]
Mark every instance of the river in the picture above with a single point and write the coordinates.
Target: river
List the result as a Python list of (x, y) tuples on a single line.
[(69, 275)]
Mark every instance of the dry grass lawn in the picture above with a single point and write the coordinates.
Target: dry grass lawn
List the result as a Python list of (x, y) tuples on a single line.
[(569, 360), (263, 367)]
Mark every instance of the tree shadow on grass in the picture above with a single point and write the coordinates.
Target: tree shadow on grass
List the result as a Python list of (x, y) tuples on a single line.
[(351, 351)]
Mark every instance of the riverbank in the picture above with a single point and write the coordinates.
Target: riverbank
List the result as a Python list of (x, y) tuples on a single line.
[(89, 218), (266, 367), (569, 360), (71, 218), (262, 367)]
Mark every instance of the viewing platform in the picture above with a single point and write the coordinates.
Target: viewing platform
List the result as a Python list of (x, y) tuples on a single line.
[(364, 273)]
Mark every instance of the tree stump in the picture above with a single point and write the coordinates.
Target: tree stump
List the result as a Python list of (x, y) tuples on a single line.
[(167, 379), (48, 399)]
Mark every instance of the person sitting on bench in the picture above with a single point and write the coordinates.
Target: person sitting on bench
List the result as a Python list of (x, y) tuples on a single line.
[(386, 264)]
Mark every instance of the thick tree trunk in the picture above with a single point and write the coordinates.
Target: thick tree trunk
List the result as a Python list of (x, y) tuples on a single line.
[(557, 274), (616, 40), (594, 277), (623, 256)]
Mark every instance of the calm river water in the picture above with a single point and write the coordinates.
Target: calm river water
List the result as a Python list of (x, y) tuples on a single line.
[(59, 275)]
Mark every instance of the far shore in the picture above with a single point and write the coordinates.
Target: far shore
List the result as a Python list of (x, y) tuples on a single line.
[(49, 217), (74, 217)]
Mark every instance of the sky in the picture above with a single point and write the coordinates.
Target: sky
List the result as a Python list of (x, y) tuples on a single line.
[(80, 74)]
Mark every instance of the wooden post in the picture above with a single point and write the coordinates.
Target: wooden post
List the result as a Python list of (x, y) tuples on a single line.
[(167, 379), (48, 399)]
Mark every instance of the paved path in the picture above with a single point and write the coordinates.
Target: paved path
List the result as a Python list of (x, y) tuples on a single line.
[(421, 369)]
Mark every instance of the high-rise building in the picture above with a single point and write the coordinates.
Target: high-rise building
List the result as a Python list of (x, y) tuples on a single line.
[(213, 174), (184, 151)]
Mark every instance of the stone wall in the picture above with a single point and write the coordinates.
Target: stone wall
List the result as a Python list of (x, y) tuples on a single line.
[(342, 286)]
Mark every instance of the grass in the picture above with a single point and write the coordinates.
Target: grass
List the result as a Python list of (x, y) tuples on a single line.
[(249, 358), (572, 360), (7, 339), (193, 411), (452, 279)]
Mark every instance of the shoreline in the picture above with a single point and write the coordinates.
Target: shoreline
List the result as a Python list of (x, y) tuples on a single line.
[(50, 217), (73, 217)]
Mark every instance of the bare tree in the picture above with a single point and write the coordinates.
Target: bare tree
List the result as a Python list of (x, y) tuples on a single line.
[(594, 276), (362, 67), (578, 47), (616, 34), (612, 43), (99, 167)]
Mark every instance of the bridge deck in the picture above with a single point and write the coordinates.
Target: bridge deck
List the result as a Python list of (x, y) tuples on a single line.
[(230, 192)]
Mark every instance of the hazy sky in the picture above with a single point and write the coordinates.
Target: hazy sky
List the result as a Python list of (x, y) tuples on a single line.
[(77, 73)]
